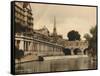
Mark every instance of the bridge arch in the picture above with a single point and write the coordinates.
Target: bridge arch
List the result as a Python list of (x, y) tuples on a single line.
[(67, 51), (77, 51), (85, 51)]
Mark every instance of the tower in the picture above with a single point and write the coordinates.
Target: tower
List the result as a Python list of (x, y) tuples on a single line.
[(54, 35), (54, 29)]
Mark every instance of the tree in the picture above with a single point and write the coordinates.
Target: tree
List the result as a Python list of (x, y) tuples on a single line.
[(87, 37), (18, 54), (92, 40), (73, 35)]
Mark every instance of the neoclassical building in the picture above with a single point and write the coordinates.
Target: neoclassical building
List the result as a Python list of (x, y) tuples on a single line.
[(31, 41)]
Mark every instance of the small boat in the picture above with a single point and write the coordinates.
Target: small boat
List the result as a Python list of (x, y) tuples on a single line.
[(40, 58)]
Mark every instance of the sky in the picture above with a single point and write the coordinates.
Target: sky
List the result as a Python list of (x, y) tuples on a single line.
[(68, 18)]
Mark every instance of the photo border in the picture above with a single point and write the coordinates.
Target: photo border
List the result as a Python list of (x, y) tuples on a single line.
[(13, 36)]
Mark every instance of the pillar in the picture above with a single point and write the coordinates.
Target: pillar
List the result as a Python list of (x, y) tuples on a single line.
[(82, 51), (21, 45), (43, 49), (60, 51), (72, 51), (30, 47), (38, 48)]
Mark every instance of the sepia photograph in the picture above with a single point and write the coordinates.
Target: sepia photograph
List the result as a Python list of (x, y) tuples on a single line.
[(53, 37)]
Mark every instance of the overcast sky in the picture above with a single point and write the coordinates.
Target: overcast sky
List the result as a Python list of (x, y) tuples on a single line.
[(68, 18)]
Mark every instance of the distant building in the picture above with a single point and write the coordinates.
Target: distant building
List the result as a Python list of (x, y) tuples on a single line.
[(43, 31)]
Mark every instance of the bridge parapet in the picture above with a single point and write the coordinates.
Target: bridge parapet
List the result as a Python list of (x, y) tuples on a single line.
[(76, 44)]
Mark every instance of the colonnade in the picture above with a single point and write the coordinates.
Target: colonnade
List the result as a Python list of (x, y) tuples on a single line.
[(37, 47)]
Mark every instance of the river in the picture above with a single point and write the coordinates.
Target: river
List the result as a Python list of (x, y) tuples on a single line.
[(55, 65)]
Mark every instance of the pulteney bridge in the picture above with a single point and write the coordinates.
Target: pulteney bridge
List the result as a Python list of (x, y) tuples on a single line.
[(76, 47)]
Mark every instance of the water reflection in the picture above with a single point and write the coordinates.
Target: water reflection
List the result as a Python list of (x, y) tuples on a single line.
[(55, 65)]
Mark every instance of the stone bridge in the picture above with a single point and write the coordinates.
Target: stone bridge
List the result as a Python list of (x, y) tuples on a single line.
[(76, 47)]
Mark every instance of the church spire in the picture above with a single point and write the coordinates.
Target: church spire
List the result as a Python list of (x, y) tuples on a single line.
[(54, 29)]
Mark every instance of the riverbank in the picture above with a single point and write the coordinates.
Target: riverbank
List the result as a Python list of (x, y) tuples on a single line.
[(36, 58), (27, 58), (64, 57)]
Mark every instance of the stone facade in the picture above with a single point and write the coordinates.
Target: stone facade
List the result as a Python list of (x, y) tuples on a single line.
[(23, 18)]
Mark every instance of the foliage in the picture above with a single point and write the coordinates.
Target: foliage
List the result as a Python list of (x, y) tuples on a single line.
[(73, 35), (87, 37), (18, 53), (92, 40)]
